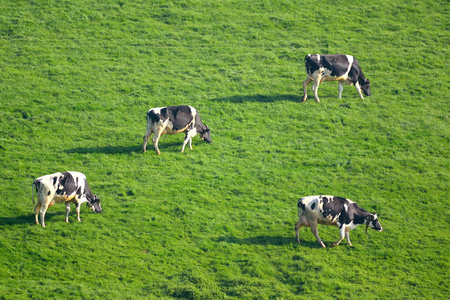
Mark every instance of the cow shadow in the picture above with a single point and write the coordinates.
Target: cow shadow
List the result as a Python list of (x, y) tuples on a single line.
[(169, 146), (259, 98), (106, 149), (25, 219), (29, 218), (265, 240)]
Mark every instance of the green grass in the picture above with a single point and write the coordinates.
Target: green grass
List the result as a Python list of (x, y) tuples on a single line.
[(76, 79)]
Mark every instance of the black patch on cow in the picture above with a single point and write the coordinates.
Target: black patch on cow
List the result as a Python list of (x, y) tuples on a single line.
[(311, 64), (67, 184), (358, 214), (334, 206), (301, 204), (354, 213), (153, 116), (48, 194), (340, 199), (60, 189), (180, 116), (54, 180), (313, 206), (337, 63), (78, 190)]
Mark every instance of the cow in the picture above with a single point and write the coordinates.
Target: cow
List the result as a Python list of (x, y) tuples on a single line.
[(173, 120), (334, 67), (332, 210), (68, 187)]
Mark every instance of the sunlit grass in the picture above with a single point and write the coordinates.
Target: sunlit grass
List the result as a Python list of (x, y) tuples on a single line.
[(218, 222)]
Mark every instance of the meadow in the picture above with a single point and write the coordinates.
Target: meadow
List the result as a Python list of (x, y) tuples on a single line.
[(217, 222)]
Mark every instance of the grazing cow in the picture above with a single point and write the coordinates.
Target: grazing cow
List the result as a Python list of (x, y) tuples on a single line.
[(68, 187), (335, 67), (332, 210), (173, 120)]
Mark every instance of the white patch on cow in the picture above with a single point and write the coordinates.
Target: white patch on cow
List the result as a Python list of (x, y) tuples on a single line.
[(350, 201), (350, 226), (350, 63)]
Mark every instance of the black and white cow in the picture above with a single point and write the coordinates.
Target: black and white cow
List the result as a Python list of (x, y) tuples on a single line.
[(334, 67), (173, 120), (332, 210), (68, 187)]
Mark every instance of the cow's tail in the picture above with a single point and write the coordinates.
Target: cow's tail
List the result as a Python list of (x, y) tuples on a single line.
[(300, 206), (33, 188)]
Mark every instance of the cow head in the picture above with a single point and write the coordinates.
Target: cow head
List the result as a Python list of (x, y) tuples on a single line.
[(94, 205), (372, 222), (206, 134), (365, 87)]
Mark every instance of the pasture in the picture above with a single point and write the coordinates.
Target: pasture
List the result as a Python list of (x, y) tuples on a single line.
[(76, 80)]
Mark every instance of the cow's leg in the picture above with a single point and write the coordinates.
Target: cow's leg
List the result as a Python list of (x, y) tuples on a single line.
[(342, 235), (43, 216), (146, 138), (298, 225), (316, 87), (190, 143), (36, 211), (341, 88), (67, 211), (315, 231), (44, 208), (306, 82), (78, 208), (358, 88), (187, 139), (155, 140), (347, 236), (144, 146)]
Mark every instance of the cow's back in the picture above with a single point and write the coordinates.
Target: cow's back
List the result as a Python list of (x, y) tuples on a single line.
[(59, 185), (325, 208), (180, 116)]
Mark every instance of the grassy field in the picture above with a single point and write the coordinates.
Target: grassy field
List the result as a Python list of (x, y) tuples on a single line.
[(76, 80)]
